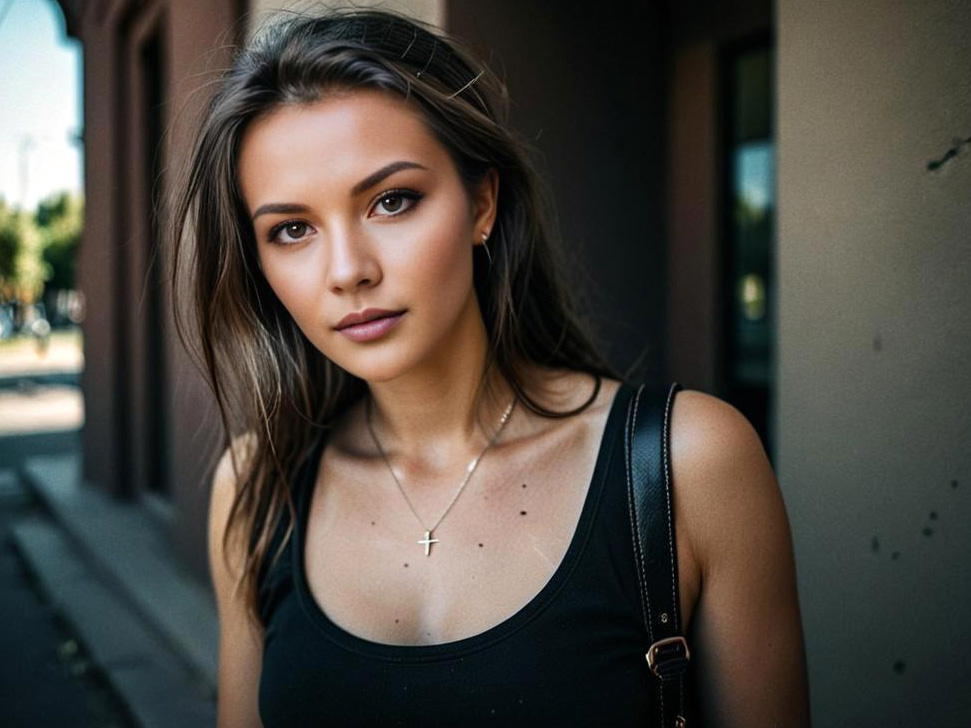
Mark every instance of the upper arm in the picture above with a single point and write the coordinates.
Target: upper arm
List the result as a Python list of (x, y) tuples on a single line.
[(240, 641), (746, 635)]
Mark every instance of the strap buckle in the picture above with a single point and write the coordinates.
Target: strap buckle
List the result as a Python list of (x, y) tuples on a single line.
[(668, 657)]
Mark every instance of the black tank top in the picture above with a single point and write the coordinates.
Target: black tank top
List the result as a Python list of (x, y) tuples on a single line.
[(572, 656)]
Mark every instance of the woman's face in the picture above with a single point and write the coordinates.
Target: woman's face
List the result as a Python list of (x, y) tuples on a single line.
[(356, 205)]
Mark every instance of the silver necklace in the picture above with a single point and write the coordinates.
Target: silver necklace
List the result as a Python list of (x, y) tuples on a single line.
[(429, 538)]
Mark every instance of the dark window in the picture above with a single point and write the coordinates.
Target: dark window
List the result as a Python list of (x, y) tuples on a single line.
[(748, 291)]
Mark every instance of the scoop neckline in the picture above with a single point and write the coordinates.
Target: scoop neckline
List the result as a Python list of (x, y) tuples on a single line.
[(500, 631)]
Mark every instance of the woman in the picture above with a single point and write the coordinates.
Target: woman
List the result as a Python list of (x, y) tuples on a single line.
[(420, 523)]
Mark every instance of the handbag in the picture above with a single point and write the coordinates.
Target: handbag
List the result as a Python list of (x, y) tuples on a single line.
[(648, 460)]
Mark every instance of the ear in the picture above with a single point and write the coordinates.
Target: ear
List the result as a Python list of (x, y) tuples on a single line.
[(484, 204)]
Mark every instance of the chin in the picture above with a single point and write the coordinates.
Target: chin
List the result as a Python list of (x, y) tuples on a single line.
[(373, 366)]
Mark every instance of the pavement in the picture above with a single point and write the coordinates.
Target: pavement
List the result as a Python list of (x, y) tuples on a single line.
[(39, 385), (99, 623), (47, 678), (25, 356)]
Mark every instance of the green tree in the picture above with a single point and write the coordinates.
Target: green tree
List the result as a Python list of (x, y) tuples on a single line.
[(31, 270), (59, 220), (52, 209), (9, 245), (22, 269)]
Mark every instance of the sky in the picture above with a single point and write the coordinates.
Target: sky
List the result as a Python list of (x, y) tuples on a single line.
[(754, 170), (40, 103)]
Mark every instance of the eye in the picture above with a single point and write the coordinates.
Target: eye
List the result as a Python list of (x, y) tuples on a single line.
[(395, 202), (287, 233)]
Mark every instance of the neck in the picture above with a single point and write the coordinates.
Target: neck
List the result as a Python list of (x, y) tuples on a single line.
[(432, 413)]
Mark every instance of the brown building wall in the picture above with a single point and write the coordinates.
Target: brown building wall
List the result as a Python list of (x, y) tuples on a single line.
[(698, 32), (97, 260), (149, 431), (692, 217), (624, 105), (588, 88)]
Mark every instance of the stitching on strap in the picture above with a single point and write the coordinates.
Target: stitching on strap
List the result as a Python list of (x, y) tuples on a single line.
[(667, 493), (631, 506), (640, 545), (675, 607)]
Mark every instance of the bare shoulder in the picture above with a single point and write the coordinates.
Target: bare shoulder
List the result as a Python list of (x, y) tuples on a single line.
[(240, 644), (233, 461), (746, 628), (706, 430), (229, 469), (721, 473)]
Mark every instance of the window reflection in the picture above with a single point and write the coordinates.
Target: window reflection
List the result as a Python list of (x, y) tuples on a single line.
[(750, 234)]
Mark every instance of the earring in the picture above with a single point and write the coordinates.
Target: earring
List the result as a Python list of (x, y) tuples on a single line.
[(485, 236)]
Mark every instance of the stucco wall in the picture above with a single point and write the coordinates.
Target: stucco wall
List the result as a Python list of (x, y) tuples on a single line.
[(429, 11), (874, 382)]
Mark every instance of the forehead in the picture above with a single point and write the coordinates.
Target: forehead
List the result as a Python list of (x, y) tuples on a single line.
[(341, 139)]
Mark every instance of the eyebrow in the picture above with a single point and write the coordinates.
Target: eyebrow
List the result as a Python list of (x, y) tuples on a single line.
[(383, 173), (365, 184), (280, 207)]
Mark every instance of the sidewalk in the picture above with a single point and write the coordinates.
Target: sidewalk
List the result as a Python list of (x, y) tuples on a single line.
[(108, 572), (46, 676), (22, 356), (109, 599), (39, 389)]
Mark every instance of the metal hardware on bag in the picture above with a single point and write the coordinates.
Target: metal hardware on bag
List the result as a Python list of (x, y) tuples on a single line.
[(653, 650)]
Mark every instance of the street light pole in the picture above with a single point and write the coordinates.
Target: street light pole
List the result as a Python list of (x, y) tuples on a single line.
[(27, 143)]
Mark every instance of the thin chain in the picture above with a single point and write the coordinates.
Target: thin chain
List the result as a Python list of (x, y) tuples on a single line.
[(468, 471)]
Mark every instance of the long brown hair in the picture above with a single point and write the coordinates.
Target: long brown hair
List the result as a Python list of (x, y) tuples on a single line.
[(270, 383)]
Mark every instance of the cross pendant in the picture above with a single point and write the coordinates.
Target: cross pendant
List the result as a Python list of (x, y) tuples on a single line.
[(427, 542)]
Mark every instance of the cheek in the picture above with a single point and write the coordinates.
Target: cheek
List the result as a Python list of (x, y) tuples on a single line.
[(444, 270), (296, 284)]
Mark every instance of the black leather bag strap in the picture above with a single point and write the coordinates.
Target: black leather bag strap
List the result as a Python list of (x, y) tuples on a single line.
[(650, 499)]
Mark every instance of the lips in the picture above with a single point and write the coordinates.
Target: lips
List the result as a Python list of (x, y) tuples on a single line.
[(368, 314), (370, 329)]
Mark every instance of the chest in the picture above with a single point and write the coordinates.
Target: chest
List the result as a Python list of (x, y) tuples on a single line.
[(376, 572), (539, 625), (525, 612)]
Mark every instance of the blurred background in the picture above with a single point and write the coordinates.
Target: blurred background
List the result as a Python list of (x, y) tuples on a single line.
[(768, 201)]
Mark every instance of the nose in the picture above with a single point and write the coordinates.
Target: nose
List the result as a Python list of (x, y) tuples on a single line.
[(351, 261)]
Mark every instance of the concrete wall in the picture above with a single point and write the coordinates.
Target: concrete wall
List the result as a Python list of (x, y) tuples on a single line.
[(873, 417), (429, 11)]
